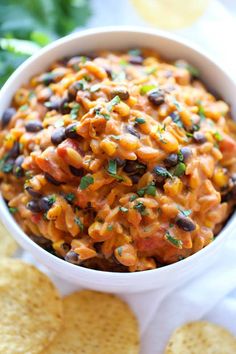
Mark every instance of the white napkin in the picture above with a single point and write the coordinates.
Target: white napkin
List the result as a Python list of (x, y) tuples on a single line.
[(212, 295)]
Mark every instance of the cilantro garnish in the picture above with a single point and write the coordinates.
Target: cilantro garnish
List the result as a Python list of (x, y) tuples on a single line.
[(95, 88), (70, 197), (86, 181), (74, 111), (146, 88), (179, 169), (218, 136), (177, 243), (12, 210), (140, 207), (123, 209), (150, 190), (133, 197), (162, 171), (79, 223), (134, 52), (119, 251), (185, 212), (113, 102), (112, 170), (140, 120), (109, 227)]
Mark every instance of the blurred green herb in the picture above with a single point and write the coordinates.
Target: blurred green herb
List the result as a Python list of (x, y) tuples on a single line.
[(27, 25)]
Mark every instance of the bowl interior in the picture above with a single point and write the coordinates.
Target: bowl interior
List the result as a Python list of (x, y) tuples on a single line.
[(169, 47)]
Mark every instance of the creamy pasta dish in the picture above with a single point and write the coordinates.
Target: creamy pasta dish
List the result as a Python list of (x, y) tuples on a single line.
[(118, 161)]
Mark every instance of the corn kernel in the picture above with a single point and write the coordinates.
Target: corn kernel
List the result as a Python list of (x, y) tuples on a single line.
[(173, 187), (167, 142), (129, 142), (220, 178), (186, 118), (108, 146)]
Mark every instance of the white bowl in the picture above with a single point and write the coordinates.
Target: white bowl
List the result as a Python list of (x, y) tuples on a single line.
[(122, 38)]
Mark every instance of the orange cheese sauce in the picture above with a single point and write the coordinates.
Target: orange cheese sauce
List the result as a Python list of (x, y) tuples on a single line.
[(119, 161)]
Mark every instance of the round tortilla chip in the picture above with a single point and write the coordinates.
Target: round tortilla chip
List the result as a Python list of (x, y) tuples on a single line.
[(8, 245), (96, 323), (30, 308), (201, 337)]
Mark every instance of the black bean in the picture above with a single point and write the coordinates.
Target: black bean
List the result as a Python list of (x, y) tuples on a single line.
[(58, 136), (18, 171), (75, 61), (156, 97), (122, 92), (52, 180), (136, 60), (53, 104), (45, 94), (72, 257), (32, 192), (65, 247), (109, 72), (199, 137), (70, 131), (41, 241), (34, 206), (171, 160), (133, 167), (78, 172), (134, 178), (133, 131), (14, 152), (185, 223), (73, 89), (45, 203), (33, 126), (63, 106), (7, 116), (119, 162), (186, 151)]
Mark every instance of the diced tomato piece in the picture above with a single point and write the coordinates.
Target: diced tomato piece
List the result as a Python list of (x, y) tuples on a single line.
[(35, 218), (227, 145), (47, 161)]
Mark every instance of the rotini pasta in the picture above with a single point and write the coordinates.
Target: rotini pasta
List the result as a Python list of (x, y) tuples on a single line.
[(118, 161)]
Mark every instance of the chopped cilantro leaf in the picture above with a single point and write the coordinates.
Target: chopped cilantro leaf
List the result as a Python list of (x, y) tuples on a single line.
[(150, 70), (119, 251), (140, 120), (113, 103), (51, 199), (109, 227), (134, 52), (140, 207), (133, 197), (146, 88), (112, 167), (201, 111), (79, 223), (112, 170), (123, 209), (86, 181), (218, 136), (185, 212), (74, 111), (176, 119), (179, 169), (70, 197), (162, 171), (95, 88), (12, 210), (177, 243)]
